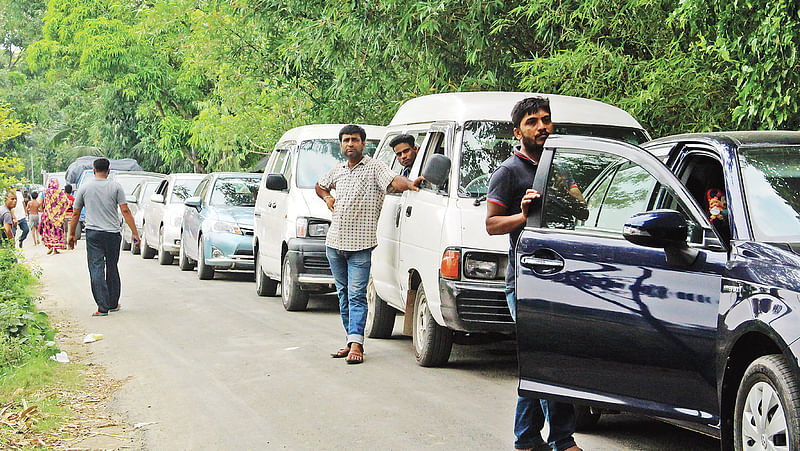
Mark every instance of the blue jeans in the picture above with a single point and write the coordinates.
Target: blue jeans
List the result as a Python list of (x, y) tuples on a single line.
[(531, 414), (23, 225), (102, 252), (351, 272)]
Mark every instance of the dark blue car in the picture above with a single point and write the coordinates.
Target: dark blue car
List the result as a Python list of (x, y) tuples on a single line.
[(671, 290)]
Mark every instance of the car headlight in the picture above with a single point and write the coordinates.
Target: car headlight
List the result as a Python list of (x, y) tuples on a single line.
[(312, 227), (225, 227), (481, 266)]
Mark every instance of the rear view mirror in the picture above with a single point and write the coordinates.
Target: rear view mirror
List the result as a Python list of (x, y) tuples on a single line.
[(665, 229), (130, 198), (276, 182), (157, 198), (194, 201), (436, 169)]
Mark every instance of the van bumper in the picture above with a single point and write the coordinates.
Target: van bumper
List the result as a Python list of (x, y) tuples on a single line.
[(475, 306), (310, 263)]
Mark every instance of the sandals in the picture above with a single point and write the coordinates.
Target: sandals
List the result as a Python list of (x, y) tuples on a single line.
[(354, 357), (341, 353)]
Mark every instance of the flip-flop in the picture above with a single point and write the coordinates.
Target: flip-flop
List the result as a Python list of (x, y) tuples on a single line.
[(351, 361), (341, 353)]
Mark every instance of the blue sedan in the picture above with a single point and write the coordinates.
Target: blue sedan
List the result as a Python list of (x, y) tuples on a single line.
[(217, 228), (672, 289)]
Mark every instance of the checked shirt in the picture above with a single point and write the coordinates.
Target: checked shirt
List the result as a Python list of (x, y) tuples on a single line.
[(359, 198)]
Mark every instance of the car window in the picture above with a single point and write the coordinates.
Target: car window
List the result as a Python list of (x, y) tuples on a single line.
[(316, 157), (435, 145), (128, 183), (599, 192), (386, 152), (236, 191), (287, 168), (183, 189), (149, 189), (200, 188)]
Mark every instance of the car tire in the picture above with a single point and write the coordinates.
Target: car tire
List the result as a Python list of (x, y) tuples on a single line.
[(164, 257), (432, 342), (586, 418), (126, 245), (147, 252), (183, 261), (768, 377), (380, 317), (264, 285), (294, 299), (204, 272)]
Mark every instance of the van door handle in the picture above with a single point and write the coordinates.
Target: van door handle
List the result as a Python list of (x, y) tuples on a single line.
[(408, 211), (397, 216), (257, 214)]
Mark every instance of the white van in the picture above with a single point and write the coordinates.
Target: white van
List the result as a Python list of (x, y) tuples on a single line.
[(434, 258), (291, 222)]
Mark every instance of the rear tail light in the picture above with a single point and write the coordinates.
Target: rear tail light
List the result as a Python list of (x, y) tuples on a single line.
[(450, 263)]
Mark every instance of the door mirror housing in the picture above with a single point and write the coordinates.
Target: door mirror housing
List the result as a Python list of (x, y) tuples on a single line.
[(665, 229), (276, 182), (130, 198), (157, 198), (195, 202), (437, 169)]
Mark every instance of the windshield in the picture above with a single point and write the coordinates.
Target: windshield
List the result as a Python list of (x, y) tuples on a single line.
[(317, 157), (771, 178), (235, 191), (486, 144), (183, 189)]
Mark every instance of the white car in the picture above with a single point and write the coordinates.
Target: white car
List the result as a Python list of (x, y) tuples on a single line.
[(434, 260), (137, 201), (161, 227), (290, 220)]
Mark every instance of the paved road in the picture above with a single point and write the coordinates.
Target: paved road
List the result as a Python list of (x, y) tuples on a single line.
[(218, 367)]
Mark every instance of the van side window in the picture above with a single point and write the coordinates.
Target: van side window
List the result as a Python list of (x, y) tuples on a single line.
[(436, 144), (287, 168), (276, 165), (386, 154)]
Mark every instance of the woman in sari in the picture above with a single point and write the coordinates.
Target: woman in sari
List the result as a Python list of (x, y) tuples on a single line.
[(54, 211)]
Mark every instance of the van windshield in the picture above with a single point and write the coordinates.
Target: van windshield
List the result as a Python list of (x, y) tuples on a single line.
[(486, 144), (317, 157)]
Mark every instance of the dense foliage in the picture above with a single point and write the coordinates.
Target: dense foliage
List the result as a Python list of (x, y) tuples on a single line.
[(199, 85)]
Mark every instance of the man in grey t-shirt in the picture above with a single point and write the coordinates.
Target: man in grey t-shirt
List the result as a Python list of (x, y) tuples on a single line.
[(103, 200)]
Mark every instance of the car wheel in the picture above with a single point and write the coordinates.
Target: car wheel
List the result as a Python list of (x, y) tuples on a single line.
[(586, 418), (126, 245), (380, 317), (164, 257), (264, 285), (147, 251), (293, 298), (204, 272), (183, 261), (432, 342), (767, 406)]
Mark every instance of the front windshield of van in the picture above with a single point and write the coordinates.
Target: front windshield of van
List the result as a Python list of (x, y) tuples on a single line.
[(486, 144), (317, 157), (771, 178)]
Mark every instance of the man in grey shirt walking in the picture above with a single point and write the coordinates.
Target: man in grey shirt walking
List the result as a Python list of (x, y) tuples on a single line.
[(101, 198)]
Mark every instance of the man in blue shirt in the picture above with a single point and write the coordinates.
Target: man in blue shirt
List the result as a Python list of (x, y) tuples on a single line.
[(508, 199)]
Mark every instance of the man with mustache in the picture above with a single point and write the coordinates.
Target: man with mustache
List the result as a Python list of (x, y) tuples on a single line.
[(508, 199)]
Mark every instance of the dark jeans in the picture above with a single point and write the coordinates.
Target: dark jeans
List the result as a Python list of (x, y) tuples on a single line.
[(23, 225), (102, 252)]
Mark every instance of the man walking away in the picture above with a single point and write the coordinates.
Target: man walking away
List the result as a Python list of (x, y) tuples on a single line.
[(101, 198), (405, 149), (507, 205), (360, 185)]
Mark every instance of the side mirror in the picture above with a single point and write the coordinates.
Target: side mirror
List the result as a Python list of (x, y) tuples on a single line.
[(195, 202), (130, 198), (436, 169), (276, 182), (157, 198), (665, 229)]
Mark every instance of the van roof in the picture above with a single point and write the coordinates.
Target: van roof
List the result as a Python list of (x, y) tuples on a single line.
[(497, 106), (327, 131)]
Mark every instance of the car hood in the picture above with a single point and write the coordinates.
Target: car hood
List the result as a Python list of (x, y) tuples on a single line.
[(240, 215), (316, 206), (473, 230)]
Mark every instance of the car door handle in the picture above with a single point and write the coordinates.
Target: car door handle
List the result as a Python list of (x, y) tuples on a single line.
[(408, 211), (397, 216), (543, 262), (530, 262), (257, 214)]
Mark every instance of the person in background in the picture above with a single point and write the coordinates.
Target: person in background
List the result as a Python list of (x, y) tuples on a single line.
[(7, 228), (54, 211), (34, 209), (68, 219), (405, 149), (21, 217)]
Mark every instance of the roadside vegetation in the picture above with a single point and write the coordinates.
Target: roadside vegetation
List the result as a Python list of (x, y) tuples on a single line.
[(197, 85)]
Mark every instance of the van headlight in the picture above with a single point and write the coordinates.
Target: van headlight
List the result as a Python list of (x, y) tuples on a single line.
[(312, 227), (479, 265), (226, 227)]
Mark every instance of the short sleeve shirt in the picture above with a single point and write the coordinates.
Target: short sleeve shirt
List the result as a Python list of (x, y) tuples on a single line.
[(5, 218), (101, 198), (359, 198)]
